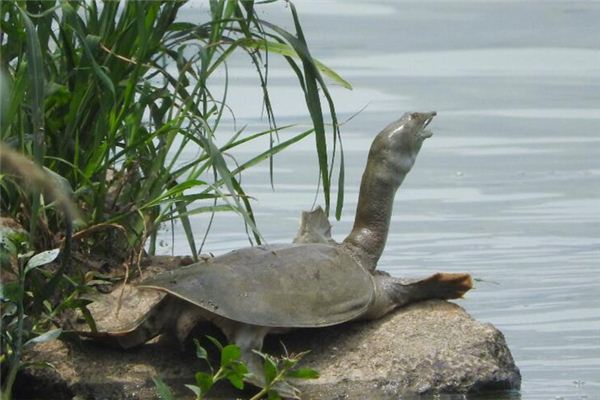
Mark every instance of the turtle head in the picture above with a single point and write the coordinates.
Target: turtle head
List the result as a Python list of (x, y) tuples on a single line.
[(399, 143)]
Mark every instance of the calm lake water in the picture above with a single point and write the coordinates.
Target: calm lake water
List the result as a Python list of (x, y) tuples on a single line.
[(508, 188)]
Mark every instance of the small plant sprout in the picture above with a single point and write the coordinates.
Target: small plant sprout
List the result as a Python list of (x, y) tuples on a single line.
[(16, 335), (277, 371)]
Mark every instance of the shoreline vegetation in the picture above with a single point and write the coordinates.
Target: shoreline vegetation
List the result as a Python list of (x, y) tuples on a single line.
[(99, 99)]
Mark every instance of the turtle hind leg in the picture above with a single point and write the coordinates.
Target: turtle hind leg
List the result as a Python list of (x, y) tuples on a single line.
[(395, 292), (149, 326)]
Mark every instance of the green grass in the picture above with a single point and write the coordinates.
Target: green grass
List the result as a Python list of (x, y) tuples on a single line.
[(92, 100)]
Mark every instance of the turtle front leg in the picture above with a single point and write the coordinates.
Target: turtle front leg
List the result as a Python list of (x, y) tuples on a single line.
[(249, 338), (393, 292)]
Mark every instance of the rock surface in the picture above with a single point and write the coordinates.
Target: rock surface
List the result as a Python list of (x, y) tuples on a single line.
[(428, 347)]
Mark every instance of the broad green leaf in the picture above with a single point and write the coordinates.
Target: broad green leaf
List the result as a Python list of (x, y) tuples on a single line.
[(200, 351), (303, 373), (240, 368), (229, 354), (42, 258), (195, 389), (164, 391), (273, 395), (236, 380), (204, 381), (269, 369), (46, 337)]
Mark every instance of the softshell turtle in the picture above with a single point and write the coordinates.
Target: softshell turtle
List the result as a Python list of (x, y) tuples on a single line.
[(314, 282)]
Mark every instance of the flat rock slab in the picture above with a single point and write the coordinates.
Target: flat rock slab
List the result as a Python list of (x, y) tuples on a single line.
[(425, 348)]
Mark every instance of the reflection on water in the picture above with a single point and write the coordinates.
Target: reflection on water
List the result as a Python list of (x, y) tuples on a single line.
[(508, 187)]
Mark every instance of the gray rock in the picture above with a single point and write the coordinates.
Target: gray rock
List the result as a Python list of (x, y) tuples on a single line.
[(428, 347)]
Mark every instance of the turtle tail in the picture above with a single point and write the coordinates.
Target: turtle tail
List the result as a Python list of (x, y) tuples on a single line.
[(149, 326)]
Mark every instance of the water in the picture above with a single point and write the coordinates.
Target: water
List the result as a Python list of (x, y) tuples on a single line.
[(507, 189)]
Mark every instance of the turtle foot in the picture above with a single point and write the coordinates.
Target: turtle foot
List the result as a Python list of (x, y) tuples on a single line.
[(448, 285)]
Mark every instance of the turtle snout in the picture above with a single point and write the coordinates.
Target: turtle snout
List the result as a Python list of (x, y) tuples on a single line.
[(428, 117)]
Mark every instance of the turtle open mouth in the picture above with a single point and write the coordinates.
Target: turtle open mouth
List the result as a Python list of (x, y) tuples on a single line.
[(429, 119), (425, 133)]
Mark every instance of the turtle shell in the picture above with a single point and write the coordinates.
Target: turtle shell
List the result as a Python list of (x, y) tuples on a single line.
[(291, 286)]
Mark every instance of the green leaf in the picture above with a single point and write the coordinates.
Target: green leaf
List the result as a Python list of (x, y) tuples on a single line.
[(81, 305), (59, 181), (195, 389), (273, 395), (270, 369), (10, 291), (216, 342), (35, 71), (229, 354), (303, 373), (89, 319), (164, 391), (239, 368), (46, 337), (187, 228), (310, 82), (236, 380), (204, 381), (200, 351), (42, 258), (286, 50), (270, 152)]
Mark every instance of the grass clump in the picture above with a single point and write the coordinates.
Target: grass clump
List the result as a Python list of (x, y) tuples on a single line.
[(107, 96)]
